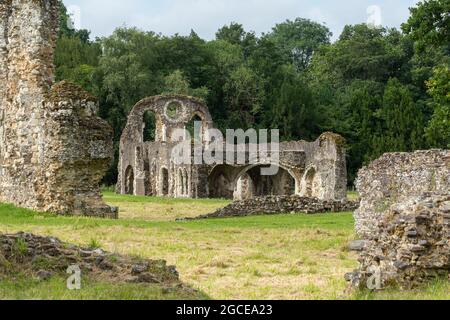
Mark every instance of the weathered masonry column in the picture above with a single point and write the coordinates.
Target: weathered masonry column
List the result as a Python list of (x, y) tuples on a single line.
[(42, 129)]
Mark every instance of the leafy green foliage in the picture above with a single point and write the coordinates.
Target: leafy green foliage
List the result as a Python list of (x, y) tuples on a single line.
[(299, 39), (429, 23), (176, 83), (438, 131)]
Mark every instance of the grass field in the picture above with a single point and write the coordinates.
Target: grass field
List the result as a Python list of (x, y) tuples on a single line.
[(263, 257)]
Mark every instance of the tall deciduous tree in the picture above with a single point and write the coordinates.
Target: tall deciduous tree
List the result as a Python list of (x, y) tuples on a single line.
[(299, 39), (429, 23)]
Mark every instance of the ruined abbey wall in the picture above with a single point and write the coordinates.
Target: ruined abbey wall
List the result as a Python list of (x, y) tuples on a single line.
[(310, 169), (54, 150)]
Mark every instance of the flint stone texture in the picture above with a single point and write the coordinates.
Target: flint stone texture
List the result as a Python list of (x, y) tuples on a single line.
[(151, 168), (395, 178), (404, 219), (54, 150), (281, 205)]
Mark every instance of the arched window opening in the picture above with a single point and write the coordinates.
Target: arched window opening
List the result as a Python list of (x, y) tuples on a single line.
[(195, 127), (310, 184), (129, 181), (149, 126), (244, 188)]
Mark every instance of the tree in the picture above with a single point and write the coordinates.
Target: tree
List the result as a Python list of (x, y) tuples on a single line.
[(299, 39), (293, 112), (77, 61), (243, 94), (429, 24), (235, 34), (438, 130), (66, 27), (176, 83), (365, 53), (352, 115), (401, 123)]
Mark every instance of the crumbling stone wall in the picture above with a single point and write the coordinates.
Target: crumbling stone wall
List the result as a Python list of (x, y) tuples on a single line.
[(281, 205), (403, 220), (311, 169), (54, 150), (395, 178)]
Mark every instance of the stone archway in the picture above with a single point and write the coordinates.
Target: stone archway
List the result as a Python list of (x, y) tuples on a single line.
[(251, 183), (129, 180), (220, 182), (310, 185), (244, 188)]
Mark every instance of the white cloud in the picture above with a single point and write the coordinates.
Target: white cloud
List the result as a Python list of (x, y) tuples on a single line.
[(206, 16)]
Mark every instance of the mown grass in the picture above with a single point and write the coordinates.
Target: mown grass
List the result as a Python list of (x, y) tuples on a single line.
[(353, 195), (263, 257), (157, 208)]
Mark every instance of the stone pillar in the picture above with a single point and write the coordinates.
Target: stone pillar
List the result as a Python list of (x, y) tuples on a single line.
[(53, 149), (27, 44), (5, 12), (329, 162), (78, 152)]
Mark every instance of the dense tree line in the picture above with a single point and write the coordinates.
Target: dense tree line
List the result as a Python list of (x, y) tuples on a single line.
[(382, 89)]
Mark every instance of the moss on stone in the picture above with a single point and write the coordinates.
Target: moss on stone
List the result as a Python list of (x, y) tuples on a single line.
[(338, 139), (66, 91)]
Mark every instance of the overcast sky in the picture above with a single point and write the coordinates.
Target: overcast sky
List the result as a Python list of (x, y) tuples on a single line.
[(206, 16)]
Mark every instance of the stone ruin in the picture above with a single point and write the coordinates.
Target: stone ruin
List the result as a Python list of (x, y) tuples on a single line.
[(54, 150), (45, 257), (147, 168), (281, 204), (403, 220)]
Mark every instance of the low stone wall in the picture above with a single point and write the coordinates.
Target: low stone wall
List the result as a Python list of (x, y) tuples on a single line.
[(395, 178), (403, 220), (281, 205)]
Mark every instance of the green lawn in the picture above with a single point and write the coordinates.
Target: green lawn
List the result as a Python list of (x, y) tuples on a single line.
[(262, 257)]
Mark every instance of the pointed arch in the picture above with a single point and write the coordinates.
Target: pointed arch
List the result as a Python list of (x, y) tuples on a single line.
[(129, 180)]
